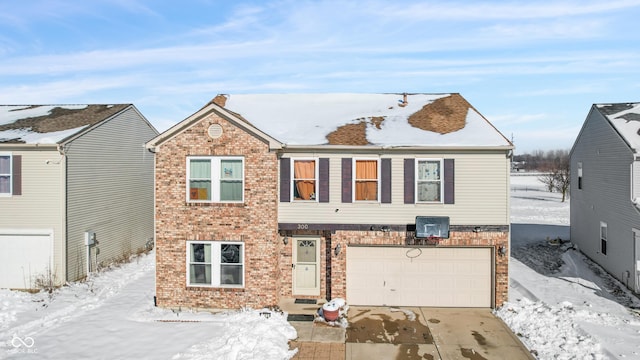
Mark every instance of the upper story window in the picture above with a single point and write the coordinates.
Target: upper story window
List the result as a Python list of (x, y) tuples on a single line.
[(603, 238), (366, 179), (6, 175), (215, 179), (215, 263), (429, 180), (580, 175), (305, 179)]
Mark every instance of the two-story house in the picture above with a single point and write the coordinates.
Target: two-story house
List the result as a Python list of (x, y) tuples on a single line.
[(76, 190), (605, 190), (382, 199)]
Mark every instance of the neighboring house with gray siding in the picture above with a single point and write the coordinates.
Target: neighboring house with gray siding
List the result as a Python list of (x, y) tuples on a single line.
[(66, 172), (381, 199), (605, 190)]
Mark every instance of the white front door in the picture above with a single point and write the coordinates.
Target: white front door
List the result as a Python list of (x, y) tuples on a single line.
[(306, 269)]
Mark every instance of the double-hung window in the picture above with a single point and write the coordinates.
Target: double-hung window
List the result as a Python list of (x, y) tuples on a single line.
[(429, 180), (366, 179), (305, 179), (215, 263), (6, 176), (215, 179), (603, 238)]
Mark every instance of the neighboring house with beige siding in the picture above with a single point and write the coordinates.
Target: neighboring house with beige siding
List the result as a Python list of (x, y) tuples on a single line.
[(382, 199), (67, 172), (605, 190)]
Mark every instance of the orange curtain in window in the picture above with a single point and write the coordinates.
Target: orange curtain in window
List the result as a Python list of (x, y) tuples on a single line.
[(304, 178), (366, 180)]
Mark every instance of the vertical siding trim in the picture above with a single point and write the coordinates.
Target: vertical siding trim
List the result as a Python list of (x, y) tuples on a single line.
[(449, 181), (347, 168), (385, 179), (16, 175), (323, 179), (285, 180), (409, 181)]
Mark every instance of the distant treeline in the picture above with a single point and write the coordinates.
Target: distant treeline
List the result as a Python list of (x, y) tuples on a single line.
[(540, 160)]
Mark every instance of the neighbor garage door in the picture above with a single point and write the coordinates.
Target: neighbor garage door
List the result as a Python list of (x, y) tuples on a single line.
[(22, 258), (401, 276)]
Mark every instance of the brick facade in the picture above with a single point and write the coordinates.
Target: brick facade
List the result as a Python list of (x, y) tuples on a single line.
[(336, 275), (268, 273), (254, 222)]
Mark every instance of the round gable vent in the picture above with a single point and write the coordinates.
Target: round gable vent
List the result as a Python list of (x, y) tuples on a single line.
[(215, 131)]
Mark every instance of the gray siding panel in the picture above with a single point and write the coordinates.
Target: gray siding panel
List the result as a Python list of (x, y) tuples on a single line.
[(109, 191), (605, 196)]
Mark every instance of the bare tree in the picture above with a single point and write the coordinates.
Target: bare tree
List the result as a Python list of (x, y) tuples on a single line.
[(557, 175)]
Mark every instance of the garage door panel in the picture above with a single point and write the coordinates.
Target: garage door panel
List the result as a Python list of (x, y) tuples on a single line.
[(400, 276), (23, 257)]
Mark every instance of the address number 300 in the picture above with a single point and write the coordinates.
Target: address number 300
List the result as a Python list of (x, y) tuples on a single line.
[(303, 226)]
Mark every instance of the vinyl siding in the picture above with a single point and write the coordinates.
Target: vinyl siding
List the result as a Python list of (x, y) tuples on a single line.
[(605, 196), (41, 205), (110, 191), (481, 194)]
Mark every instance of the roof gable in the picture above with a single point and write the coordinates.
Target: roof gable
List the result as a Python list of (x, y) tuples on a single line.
[(625, 119), (50, 124)]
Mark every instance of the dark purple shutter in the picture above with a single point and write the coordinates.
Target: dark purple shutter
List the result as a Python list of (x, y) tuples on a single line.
[(347, 168), (449, 181), (409, 181), (17, 175), (285, 180), (385, 181), (323, 177)]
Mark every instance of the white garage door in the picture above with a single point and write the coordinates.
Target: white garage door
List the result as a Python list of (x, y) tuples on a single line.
[(22, 258), (401, 276)]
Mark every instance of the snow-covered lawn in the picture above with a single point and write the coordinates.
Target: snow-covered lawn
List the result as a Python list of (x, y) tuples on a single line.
[(561, 305), (111, 316)]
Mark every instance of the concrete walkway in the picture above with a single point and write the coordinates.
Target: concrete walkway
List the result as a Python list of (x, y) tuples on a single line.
[(408, 333)]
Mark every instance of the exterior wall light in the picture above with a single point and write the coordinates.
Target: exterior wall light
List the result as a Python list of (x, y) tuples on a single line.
[(337, 249), (285, 240), (502, 250)]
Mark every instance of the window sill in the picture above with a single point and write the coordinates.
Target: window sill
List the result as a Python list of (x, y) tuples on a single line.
[(216, 204), (216, 288)]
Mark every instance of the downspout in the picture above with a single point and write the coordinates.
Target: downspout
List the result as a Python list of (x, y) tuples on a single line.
[(63, 204)]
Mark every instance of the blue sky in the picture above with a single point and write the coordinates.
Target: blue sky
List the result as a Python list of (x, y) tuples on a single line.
[(533, 68)]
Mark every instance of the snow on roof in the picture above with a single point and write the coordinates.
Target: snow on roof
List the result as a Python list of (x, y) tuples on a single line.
[(625, 118), (367, 119), (49, 124)]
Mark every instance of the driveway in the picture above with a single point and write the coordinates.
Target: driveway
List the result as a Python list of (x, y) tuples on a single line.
[(429, 333)]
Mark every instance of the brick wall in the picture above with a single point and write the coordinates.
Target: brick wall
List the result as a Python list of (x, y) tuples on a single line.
[(456, 238), (253, 222)]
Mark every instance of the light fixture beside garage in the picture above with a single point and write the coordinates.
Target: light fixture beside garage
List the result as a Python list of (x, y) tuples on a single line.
[(337, 249)]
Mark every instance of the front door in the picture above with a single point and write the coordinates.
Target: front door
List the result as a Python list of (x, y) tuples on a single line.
[(306, 269)]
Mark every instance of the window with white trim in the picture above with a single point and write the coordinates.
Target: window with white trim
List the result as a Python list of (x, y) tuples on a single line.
[(6, 174), (579, 175), (603, 238), (429, 187), (215, 263), (304, 179), (215, 179), (366, 182)]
